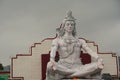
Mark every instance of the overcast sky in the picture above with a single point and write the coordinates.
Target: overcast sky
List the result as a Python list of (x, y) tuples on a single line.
[(25, 22)]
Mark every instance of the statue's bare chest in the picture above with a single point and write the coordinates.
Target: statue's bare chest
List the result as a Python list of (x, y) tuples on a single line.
[(69, 46)]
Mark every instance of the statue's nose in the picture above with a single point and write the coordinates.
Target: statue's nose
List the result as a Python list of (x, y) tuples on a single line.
[(70, 26)]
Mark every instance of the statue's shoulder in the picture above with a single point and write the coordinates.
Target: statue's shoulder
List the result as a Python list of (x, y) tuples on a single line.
[(82, 40), (56, 40)]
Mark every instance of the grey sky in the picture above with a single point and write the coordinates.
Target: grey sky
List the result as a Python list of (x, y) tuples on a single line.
[(24, 22)]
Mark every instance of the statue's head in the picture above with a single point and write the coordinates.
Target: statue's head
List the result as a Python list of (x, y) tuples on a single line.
[(69, 20)]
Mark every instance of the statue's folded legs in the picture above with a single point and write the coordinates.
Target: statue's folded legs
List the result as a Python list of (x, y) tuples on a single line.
[(85, 71)]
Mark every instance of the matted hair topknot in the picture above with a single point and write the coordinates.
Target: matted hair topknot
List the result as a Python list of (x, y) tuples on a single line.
[(69, 16)]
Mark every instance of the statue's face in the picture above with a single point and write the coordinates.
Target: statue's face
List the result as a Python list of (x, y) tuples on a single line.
[(69, 26)]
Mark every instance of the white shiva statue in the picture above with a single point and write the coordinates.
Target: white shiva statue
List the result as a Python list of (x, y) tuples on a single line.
[(69, 47)]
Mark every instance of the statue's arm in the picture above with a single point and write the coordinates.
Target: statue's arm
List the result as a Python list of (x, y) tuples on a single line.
[(88, 50), (54, 48)]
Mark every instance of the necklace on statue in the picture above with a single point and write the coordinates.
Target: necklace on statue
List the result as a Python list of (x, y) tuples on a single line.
[(68, 41)]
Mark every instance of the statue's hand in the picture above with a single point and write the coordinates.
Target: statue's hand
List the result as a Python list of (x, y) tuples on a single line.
[(51, 64), (100, 63)]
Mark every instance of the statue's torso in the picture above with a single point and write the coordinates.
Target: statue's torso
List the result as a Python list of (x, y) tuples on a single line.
[(69, 51)]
